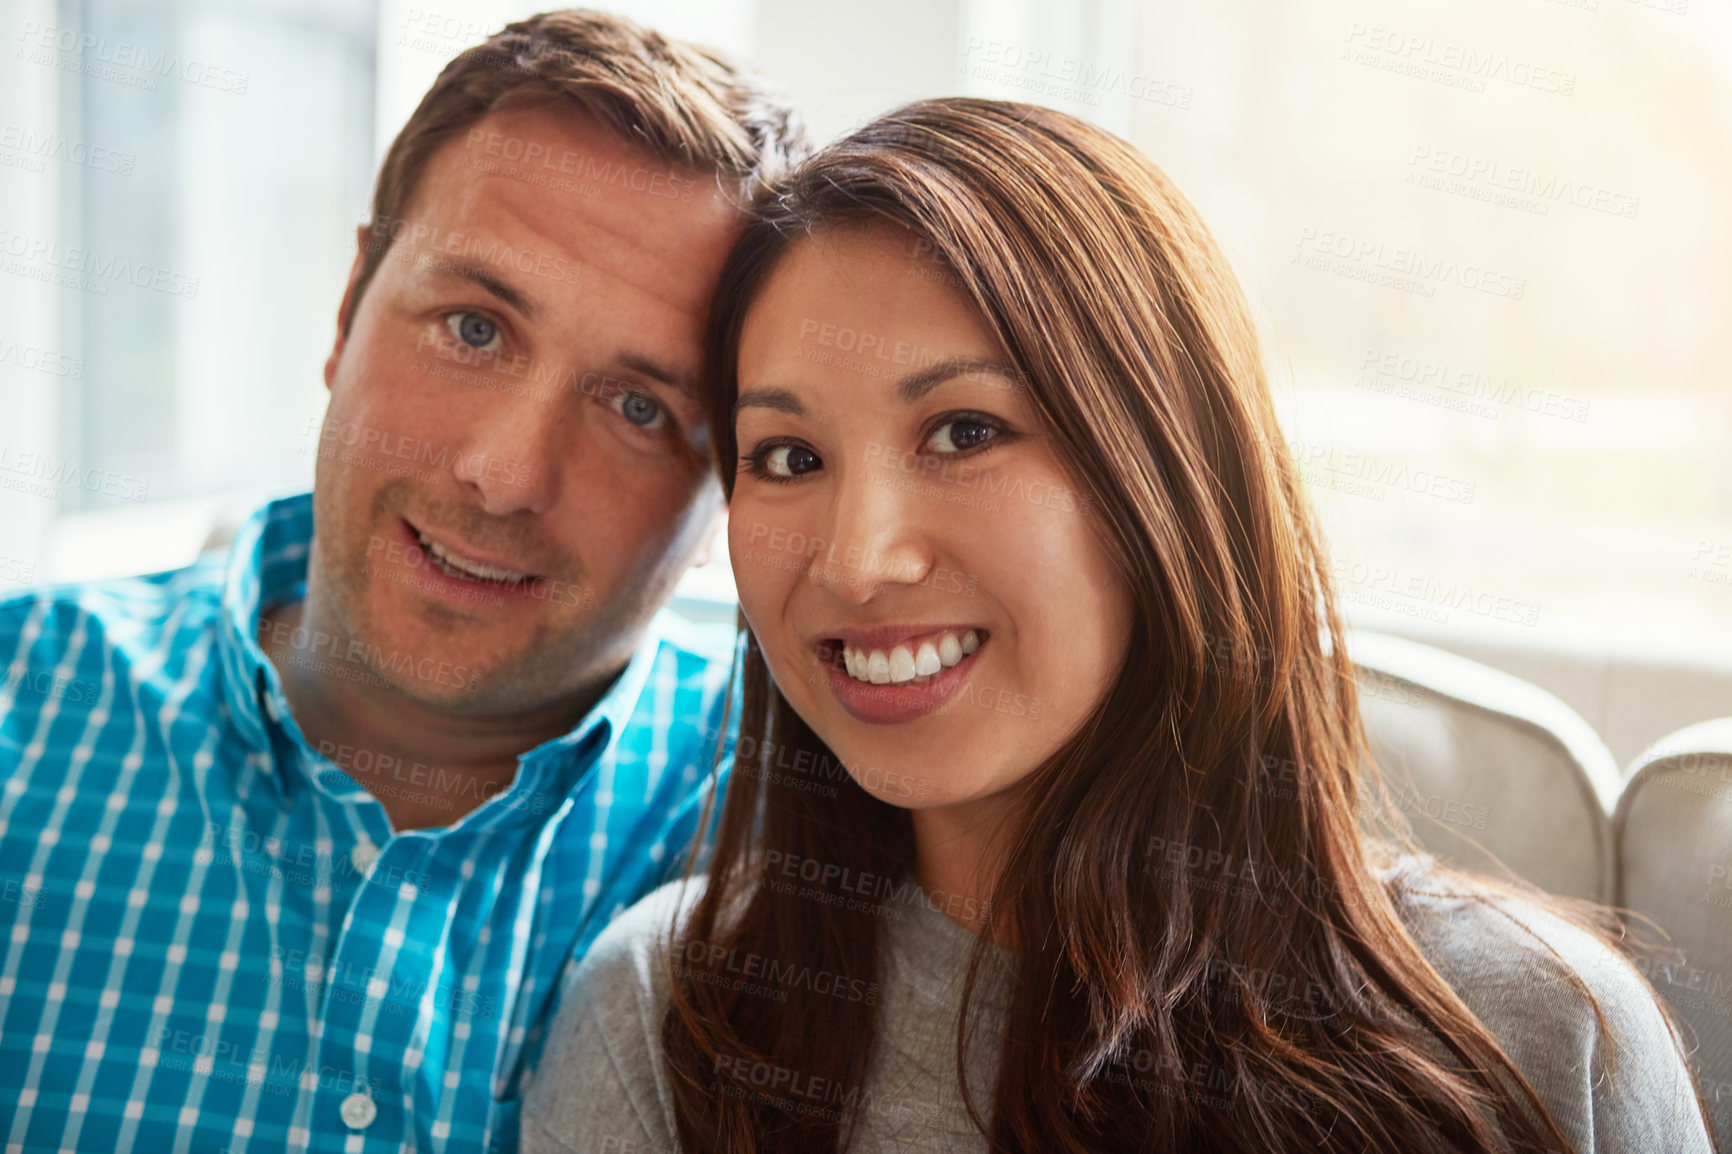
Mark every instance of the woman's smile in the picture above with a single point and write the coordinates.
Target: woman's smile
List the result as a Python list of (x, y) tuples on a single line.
[(893, 674)]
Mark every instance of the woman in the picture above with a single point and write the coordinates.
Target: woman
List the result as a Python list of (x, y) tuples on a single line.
[(1042, 834)]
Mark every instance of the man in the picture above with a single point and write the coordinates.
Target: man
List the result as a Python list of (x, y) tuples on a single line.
[(294, 849)]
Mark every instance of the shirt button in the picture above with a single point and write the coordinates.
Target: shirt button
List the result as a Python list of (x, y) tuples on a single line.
[(363, 856), (358, 1111)]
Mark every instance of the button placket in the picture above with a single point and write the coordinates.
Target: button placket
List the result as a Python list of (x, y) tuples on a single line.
[(358, 1111), (369, 1030), (363, 857)]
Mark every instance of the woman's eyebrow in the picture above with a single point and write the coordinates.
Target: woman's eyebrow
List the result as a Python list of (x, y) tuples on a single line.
[(910, 388), (916, 385), (780, 400)]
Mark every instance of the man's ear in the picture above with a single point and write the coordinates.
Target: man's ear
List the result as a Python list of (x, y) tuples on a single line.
[(345, 311)]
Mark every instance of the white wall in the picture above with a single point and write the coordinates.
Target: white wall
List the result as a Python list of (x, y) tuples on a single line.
[(30, 319)]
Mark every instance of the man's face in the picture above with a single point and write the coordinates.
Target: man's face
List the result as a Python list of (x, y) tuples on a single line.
[(512, 473)]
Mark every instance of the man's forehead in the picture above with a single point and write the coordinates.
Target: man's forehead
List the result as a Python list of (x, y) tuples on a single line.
[(573, 201)]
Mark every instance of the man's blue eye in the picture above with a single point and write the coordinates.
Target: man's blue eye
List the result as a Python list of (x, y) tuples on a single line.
[(640, 409), (472, 329)]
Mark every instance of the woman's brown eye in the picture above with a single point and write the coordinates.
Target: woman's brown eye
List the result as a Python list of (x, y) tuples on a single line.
[(960, 435), (790, 461)]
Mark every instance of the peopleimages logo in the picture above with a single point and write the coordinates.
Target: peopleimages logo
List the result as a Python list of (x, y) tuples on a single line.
[(125, 54), (41, 360), (53, 146), (746, 966), (929, 467), (427, 246), (1458, 65), (1368, 258), (52, 255), (855, 566), (1064, 77), (14, 569), (364, 655), (40, 475), (1488, 177), (1468, 384), (1321, 464), (566, 161), (372, 447), (1387, 587)]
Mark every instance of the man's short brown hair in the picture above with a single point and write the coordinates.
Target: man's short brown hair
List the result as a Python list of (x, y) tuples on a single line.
[(684, 104)]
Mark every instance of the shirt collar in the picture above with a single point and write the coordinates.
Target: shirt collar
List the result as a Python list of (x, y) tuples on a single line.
[(550, 772), (268, 565)]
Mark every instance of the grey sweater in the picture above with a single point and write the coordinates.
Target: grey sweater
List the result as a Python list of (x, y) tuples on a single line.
[(600, 1087)]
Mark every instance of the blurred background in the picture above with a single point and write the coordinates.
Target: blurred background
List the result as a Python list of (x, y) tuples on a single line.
[(1487, 240)]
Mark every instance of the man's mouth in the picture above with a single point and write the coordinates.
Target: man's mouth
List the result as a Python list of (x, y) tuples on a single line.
[(455, 564), (913, 661)]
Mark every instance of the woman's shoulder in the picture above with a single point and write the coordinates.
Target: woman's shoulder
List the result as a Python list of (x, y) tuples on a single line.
[(599, 1071), (1492, 939), (1542, 983), (630, 947), (620, 983)]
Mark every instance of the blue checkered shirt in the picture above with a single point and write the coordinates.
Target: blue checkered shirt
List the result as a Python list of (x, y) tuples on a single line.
[(210, 937)]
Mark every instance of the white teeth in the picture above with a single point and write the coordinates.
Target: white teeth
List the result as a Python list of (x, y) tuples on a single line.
[(470, 568), (926, 662), (904, 664), (901, 664)]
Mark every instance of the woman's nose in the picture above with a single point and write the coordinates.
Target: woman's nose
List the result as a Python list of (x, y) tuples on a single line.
[(878, 532)]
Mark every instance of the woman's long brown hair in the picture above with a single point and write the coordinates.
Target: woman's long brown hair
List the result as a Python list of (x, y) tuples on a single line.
[(1268, 951)]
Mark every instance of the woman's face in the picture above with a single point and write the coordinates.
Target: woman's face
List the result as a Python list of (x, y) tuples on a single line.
[(927, 583)]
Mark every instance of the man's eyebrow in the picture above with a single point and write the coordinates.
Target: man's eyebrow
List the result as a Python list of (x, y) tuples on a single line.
[(492, 284), (916, 385), (637, 363), (780, 400)]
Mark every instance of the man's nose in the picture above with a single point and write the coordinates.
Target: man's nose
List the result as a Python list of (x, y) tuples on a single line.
[(508, 457)]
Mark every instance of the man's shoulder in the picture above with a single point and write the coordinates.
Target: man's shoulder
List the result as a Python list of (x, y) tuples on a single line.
[(130, 615), (688, 681), (700, 643)]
